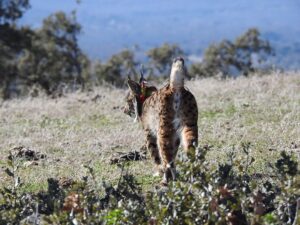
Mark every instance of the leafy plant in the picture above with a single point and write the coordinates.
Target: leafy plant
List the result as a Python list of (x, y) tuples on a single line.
[(202, 194)]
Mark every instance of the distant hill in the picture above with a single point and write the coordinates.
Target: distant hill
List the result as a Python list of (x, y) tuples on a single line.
[(111, 25)]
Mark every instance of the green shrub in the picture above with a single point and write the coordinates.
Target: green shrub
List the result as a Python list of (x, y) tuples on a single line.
[(202, 194)]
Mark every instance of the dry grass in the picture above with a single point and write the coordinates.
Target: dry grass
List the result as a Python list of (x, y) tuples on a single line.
[(75, 130)]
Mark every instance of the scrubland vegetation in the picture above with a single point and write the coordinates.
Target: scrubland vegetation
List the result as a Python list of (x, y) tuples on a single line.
[(69, 155), (240, 176)]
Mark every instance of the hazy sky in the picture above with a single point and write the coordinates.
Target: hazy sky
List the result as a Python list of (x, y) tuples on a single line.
[(111, 25)]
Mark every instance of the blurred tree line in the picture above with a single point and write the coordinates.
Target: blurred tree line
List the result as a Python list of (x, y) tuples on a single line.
[(50, 59)]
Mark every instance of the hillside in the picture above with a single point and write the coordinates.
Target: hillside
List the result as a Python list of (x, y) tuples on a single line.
[(88, 128), (109, 26)]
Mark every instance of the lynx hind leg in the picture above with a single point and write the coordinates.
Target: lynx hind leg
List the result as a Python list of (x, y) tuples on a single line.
[(168, 146), (154, 153), (190, 140)]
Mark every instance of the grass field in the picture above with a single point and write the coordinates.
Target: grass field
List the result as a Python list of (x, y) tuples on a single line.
[(88, 128)]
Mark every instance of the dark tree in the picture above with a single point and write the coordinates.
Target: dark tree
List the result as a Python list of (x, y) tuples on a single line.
[(228, 58), (12, 41), (11, 10), (54, 57)]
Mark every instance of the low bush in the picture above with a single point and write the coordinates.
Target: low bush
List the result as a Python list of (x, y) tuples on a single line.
[(202, 194)]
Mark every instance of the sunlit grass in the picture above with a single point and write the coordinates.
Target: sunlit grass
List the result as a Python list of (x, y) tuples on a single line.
[(75, 130)]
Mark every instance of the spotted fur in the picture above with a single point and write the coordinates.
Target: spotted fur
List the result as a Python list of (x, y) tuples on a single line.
[(169, 117)]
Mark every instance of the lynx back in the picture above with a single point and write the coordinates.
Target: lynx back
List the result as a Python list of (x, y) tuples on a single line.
[(169, 117)]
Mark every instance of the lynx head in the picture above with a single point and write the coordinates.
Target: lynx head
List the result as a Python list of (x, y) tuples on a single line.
[(132, 99), (137, 94)]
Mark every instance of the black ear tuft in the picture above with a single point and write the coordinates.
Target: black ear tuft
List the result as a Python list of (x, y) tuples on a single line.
[(142, 74), (134, 87)]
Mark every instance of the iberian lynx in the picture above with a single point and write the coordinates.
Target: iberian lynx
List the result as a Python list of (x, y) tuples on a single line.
[(168, 116)]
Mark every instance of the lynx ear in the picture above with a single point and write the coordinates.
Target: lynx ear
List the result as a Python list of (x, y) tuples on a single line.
[(134, 87)]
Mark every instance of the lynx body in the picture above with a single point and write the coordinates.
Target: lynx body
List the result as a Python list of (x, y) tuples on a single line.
[(169, 117)]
